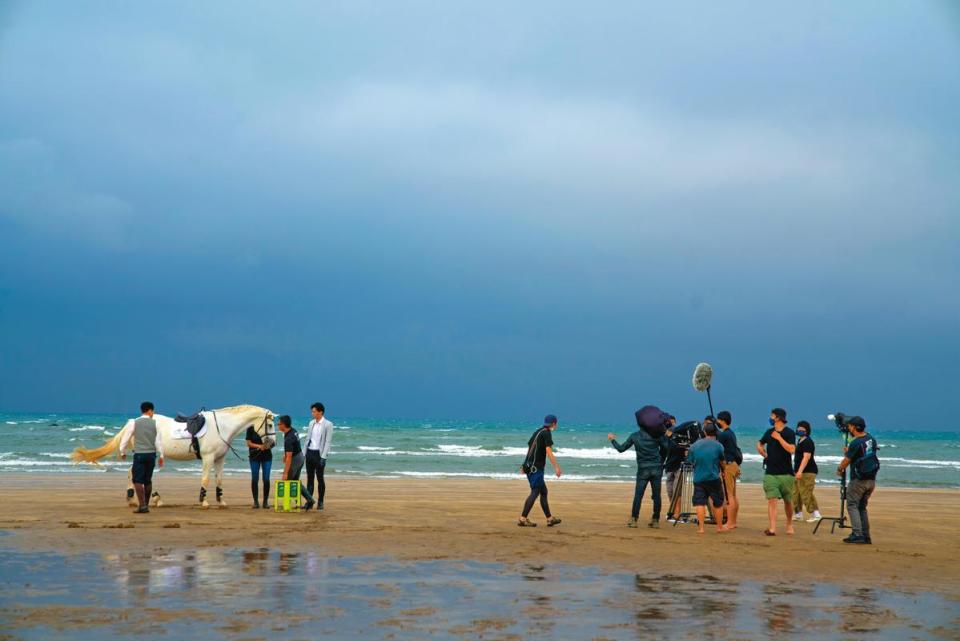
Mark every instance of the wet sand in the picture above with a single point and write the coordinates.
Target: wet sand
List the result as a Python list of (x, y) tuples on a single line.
[(915, 531), (270, 594)]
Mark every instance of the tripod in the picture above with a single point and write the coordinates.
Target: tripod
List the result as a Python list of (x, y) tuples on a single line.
[(682, 496), (838, 521)]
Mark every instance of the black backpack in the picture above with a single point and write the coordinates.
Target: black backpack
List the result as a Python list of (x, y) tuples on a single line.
[(868, 464)]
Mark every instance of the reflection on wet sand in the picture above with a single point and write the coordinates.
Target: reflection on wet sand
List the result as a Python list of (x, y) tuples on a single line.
[(255, 563), (240, 593)]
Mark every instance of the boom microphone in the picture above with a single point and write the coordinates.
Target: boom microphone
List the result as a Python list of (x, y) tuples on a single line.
[(702, 376)]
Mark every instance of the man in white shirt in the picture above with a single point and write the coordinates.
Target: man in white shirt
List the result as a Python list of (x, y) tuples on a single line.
[(319, 437), (147, 452)]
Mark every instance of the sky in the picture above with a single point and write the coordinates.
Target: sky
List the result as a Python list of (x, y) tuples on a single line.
[(481, 210)]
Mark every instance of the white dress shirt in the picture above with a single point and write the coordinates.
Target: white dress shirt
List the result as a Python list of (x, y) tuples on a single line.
[(128, 436)]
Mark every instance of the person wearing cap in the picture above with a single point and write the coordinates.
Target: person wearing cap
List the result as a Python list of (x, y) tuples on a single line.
[(805, 470), (776, 446), (732, 457), (539, 449), (861, 457), (293, 457)]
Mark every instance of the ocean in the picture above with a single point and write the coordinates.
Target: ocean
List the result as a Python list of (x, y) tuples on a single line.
[(34, 443)]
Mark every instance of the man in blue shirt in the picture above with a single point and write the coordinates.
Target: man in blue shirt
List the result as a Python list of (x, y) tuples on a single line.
[(861, 458), (707, 458)]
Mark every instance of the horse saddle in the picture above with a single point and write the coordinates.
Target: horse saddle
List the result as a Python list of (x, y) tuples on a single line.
[(194, 423)]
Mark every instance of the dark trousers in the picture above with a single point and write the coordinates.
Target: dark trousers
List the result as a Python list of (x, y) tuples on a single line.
[(652, 476), (296, 466), (538, 488), (258, 468), (315, 467)]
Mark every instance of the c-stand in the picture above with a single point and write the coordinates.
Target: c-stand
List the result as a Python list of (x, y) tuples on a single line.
[(839, 521), (682, 497)]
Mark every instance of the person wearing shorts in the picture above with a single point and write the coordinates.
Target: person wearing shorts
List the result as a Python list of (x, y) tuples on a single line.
[(731, 468), (777, 446), (707, 458), (539, 449)]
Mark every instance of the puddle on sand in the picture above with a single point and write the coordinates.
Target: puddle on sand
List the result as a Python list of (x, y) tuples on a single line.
[(245, 594)]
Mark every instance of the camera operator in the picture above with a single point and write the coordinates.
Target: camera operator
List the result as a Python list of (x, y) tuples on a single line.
[(775, 446), (732, 457), (861, 458), (680, 437)]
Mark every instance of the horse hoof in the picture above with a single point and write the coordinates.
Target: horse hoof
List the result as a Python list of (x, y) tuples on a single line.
[(204, 504), (222, 504), (158, 503)]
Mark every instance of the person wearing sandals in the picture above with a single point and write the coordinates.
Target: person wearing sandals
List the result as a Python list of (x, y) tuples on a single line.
[(539, 449), (777, 446)]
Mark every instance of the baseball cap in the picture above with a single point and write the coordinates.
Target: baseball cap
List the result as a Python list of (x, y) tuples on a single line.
[(859, 422), (549, 419)]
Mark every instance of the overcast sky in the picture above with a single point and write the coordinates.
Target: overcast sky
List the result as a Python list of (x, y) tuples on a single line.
[(486, 210)]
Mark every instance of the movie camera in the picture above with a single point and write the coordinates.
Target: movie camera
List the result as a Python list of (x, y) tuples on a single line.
[(687, 433), (840, 419)]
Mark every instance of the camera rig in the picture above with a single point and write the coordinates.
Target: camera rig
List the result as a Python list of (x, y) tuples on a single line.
[(840, 419)]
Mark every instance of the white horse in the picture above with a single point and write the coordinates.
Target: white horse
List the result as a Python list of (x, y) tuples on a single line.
[(221, 427)]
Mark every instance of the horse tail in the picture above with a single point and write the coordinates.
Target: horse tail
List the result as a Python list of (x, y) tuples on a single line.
[(84, 455)]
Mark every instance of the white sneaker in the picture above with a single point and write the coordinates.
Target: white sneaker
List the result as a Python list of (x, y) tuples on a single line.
[(798, 516), (814, 517)]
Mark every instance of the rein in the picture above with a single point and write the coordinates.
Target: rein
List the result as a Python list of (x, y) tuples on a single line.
[(263, 423)]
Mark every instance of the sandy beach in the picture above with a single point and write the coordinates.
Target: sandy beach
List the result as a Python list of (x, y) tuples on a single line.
[(475, 520)]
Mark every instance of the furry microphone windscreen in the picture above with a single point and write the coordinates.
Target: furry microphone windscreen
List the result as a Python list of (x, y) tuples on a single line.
[(702, 377)]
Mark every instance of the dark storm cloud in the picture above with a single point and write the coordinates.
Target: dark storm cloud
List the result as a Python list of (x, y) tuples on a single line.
[(482, 211)]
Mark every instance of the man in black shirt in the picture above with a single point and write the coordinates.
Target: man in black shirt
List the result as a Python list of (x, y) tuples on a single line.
[(805, 470), (861, 458), (539, 448), (775, 446), (261, 460), (293, 457), (732, 458)]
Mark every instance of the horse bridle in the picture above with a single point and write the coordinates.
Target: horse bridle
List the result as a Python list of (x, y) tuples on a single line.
[(263, 424)]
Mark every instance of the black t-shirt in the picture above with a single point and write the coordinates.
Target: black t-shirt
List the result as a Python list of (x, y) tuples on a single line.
[(257, 454), (805, 446), (728, 440), (537, 451), (778, 459), (291, 442)]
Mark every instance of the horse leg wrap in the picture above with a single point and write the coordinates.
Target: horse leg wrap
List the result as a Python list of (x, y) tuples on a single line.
[(219, 494), (203, 494), (129, 493)]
